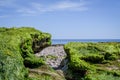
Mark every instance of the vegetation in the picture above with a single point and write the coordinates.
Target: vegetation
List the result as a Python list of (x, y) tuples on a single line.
[(45, 72), (17, 48), (87, 61), (94, 61)]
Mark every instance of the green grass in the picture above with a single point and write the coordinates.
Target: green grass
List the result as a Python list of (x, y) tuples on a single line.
[(93, 61)]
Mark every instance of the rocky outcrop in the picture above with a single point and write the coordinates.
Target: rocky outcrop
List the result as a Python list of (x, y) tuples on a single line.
[(93, 61), (17, 47), (54, 56), (24, 55)]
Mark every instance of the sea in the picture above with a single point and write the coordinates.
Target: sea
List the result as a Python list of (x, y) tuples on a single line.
[(64, 41)]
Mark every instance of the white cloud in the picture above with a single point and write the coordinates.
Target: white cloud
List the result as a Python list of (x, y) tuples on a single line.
[(71, 6), (38, 8), (66, 5)]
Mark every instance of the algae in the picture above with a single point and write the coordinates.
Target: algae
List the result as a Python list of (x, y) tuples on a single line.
[(94, 61), (86, 61), (17, 48)]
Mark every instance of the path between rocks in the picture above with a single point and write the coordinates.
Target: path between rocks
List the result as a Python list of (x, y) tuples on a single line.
[(54, 56)]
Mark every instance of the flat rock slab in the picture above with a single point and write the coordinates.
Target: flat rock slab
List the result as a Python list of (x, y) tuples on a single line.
[(54, 55)]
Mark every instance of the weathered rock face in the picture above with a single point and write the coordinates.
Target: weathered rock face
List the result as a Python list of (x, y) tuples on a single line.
[(17, 47), (54, 56)]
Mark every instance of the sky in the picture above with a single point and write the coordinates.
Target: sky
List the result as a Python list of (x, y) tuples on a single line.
[(64, 19)]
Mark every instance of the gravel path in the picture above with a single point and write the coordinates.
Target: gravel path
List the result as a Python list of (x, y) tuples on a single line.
[(54, 55)]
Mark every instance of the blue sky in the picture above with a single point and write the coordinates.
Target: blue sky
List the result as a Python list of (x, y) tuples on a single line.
[(64, 19)]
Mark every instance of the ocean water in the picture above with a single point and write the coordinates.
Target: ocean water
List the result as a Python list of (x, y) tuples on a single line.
[(64, 41)]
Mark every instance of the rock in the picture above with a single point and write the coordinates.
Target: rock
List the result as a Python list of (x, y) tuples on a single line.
[(92, 61), (45, 72), (53, 55), (17, 47)]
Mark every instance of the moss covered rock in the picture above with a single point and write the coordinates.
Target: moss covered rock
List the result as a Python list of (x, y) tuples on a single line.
[(45, 72), (94, 61), (17, 48)]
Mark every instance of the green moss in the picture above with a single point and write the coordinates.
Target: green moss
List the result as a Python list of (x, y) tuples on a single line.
[(40, 77), (17, 49), (45, 72), (32, 61), (110, 56), (91, 59), (101, 76), (51, 57)]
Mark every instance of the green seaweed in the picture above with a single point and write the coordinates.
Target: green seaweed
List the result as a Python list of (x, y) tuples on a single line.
[(94, 61), (17, 51)]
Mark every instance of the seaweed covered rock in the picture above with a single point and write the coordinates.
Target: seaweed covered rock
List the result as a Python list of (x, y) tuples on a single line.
[(17, 48), (45, 72), (94, 61)]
